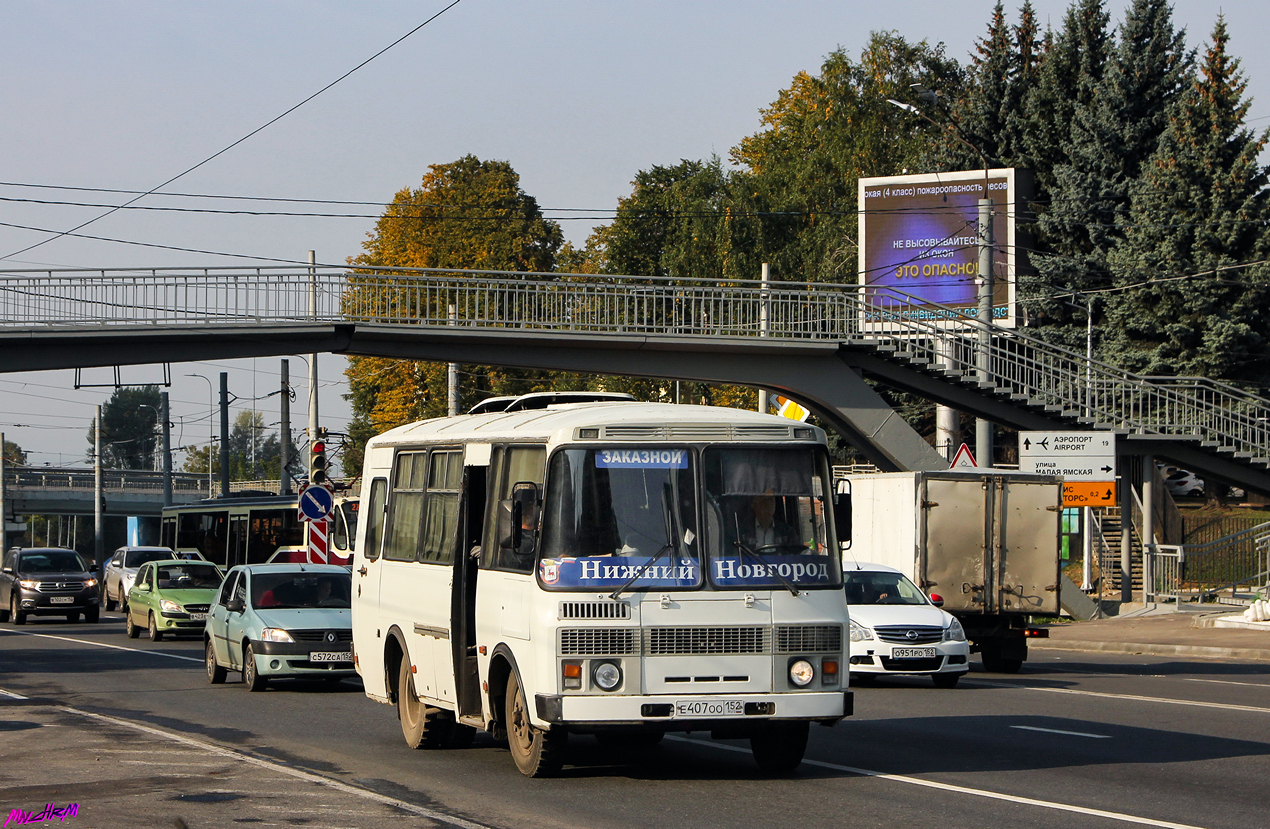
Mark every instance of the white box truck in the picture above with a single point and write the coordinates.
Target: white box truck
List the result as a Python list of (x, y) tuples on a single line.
[(986, 542)]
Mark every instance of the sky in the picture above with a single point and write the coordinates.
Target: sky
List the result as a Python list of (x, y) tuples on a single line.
[(577, 96)]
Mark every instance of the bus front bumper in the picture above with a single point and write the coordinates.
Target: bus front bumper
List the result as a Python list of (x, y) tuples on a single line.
[(827, 707)]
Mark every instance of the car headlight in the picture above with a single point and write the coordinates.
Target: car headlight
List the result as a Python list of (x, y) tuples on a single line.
[(275, 635), (607, 675), (955, 632), (90, 582), (29, 584), (859, 632), (801, 672), (169, 606)]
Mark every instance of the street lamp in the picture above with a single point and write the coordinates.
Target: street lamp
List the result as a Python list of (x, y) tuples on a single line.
[(211, 428), (983, 428)]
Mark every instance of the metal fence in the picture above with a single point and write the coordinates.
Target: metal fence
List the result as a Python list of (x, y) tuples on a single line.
[(43, 478), (1000, 361), (1228, 570)]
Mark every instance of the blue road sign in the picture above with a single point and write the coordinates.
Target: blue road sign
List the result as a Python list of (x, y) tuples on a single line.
[(316, 503)]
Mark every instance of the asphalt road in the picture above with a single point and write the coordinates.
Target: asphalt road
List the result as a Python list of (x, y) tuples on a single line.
[(1077, 740)]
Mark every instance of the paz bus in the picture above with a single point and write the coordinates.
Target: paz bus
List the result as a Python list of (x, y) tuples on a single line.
[(256, 528), (620, 569)]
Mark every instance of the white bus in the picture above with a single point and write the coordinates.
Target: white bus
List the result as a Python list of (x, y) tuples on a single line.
[(618, 569)]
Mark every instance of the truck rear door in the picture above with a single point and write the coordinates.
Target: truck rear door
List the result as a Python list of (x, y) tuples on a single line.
[(951, 557)]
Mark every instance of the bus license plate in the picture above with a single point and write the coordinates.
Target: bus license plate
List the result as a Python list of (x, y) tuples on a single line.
[(62, 600), (912, 653), (198, 617), (327, 656), (709, 708)]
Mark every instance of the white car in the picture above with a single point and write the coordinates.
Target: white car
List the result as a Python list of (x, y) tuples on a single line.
[(897, 629), (1183, 483), (121, 569)]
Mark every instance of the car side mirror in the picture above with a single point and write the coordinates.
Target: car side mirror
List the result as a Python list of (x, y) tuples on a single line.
[(937, 600), (144, 588), (8, 571), (235, 606)]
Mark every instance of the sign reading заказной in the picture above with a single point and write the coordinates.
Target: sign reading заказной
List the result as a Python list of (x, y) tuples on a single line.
[(919, 236)]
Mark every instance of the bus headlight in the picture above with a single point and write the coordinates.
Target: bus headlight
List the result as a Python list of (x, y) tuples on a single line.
[(606, 675), (801, 672)]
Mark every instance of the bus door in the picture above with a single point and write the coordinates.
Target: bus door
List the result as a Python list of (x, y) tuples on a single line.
[(367, 641), (237, 552), (476, 461)]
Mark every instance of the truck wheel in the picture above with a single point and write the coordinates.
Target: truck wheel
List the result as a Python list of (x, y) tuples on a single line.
[(537, 753), (421, 725), (995, 663), (779, 748)]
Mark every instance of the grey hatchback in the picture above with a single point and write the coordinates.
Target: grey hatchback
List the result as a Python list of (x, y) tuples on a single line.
[(47, 581)]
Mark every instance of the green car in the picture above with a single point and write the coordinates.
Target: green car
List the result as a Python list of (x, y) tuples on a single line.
[(171, 597)]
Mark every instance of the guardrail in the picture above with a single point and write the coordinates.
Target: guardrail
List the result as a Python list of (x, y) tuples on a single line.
[(112, 480), (1214, 571), (1000, 361)]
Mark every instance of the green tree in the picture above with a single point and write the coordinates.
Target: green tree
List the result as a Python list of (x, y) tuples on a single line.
[(14, 454), (128, 421), (254, 453), (1199, 205)]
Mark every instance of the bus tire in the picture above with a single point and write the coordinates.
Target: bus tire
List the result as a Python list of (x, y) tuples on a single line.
[(779, 747), (422, 726), (537, 753)]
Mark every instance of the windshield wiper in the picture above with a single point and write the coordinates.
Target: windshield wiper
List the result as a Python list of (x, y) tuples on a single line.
[(765, 564), (669, 545)]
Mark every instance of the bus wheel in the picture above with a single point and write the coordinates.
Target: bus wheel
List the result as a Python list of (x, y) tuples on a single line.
[(421, 725), (537, 753), (779, 748)]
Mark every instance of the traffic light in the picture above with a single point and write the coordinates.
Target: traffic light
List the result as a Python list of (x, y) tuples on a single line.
[(317, 464)]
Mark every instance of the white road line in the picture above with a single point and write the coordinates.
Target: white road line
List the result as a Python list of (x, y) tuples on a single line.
[(1229, 682), (1068, 733), (421, 811), (11, 695), (103, 645), (948, 787), (1131, 697)]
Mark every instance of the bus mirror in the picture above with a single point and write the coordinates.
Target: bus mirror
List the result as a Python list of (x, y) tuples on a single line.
[(518, 519), (842, 516)]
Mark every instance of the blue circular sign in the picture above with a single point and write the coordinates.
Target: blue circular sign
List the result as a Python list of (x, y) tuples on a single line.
[(316, 503)]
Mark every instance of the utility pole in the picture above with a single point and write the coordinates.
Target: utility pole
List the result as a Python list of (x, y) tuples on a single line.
[(764, 329), (313, 364), (4, 526), (452, 377), (983, 427), (99, 518), (284, 447), (224, 434), (167, 449)]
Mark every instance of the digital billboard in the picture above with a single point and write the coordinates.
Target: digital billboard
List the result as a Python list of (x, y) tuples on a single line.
[(919, 236)]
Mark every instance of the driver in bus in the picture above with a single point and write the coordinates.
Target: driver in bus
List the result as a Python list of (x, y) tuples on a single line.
[(766, 530)]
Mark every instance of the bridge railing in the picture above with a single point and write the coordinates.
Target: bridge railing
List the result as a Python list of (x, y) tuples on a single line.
[(49, 479), (1007, 362)]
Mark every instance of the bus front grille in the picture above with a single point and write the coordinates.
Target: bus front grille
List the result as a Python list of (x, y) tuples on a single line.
[(594, 610), (808, 638), (599, 641), (676, 641)]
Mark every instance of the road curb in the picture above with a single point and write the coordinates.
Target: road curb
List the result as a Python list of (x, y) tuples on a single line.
[(1200, 651)]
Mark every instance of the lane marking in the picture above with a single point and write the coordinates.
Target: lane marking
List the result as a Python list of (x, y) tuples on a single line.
[(1229, 682), (102, 645), (1130, 697), (308, 777), (12, 695), (1068, 733), (948, 787)]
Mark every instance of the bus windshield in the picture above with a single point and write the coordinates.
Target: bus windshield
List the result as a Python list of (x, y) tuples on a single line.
[(620, 518), (765, 515)]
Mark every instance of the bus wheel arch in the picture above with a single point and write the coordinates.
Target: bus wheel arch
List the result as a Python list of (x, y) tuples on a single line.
[(394, 650), (501, 666)]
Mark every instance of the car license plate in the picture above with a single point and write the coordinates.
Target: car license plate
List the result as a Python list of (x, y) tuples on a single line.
[(328, 656), (62, 600), (912, 653), (709, 708), (198, 617)]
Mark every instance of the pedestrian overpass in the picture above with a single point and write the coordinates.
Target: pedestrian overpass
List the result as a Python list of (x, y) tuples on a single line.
[(814, 342)]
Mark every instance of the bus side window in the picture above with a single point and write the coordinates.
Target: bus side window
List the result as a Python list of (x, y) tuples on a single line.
[(375, 518), (339, 529), (405, 522)]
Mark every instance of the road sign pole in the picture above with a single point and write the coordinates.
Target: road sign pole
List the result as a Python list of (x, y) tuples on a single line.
[(1148, 524)]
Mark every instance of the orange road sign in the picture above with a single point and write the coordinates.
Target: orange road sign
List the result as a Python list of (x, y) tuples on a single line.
[(1089, 494)]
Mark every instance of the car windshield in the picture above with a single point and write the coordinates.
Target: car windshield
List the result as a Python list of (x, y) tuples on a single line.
[(870, 587), (136, 558), (765, 517), (290, 590), (619, 515), (51, 561), (188, 576)]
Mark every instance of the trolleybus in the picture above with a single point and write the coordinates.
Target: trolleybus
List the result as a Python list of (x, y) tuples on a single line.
[(620, 569)]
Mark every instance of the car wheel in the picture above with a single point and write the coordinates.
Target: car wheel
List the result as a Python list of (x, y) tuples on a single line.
[(215, 673), (251, 677), (945, 680), (111, 604), (779, 748), (15, 611), (91, 615), (537, 753), (4, 614), (130, 626), (72, 617), (155, 635)]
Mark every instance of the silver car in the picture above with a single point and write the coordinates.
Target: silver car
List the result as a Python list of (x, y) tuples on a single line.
[(121, 570)]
